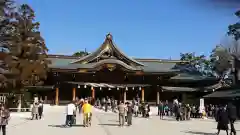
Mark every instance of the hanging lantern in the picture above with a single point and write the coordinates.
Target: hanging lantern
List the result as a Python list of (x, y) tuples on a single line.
[(100, 88), (140, 88), (109, 88), (78, 86), (117, 88), (85, 86), (126, 88)]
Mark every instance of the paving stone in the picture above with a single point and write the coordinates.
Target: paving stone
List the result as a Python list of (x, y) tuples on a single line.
[(107, 124)]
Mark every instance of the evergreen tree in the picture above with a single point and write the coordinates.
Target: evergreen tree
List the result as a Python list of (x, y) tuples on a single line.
[(195, 64), (80, 53), (27, 50), (6, 15)]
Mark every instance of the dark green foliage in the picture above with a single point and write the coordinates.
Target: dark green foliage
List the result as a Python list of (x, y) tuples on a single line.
[(234, 29), (80, 53), (198, 64)]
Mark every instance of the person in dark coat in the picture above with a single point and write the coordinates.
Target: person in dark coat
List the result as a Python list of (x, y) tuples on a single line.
[(129, 114), (216, 112), (232, 115), (160, 110), (222, 119), (4, 118), (178, 112), (40, 109)]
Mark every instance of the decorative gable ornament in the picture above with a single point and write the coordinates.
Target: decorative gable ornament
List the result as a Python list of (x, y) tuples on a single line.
[(108, 53)]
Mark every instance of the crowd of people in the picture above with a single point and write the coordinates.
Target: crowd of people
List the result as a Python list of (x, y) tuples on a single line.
[(224, 115)]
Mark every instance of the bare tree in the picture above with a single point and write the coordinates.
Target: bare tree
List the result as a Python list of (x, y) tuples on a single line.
[(224, 56)]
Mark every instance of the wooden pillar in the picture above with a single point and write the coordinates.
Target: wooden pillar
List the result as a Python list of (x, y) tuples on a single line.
[(124, 96), (93, 92), (57, 96), (142, 95), (74, 94)]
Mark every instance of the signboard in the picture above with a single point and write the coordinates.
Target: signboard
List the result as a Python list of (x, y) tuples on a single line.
[(201, 102), (201, 106)]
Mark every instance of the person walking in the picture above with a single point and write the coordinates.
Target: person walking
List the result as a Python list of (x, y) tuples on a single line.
[(232, 115), (35, 111), (87, 113), (178, 112), (188, 113), (161, 110), (136, 109), (222, 119), (4, 118), (70, 111), (129, 114), (40, 109), (121, 114)]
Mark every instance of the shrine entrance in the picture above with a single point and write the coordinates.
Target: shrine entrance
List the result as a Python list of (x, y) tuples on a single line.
[(121, 92)]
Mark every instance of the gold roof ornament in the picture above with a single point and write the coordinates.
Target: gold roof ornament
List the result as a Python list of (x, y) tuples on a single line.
[(109, 36)]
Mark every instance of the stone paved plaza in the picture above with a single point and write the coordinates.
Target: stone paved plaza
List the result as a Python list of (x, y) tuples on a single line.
[(107, 124)]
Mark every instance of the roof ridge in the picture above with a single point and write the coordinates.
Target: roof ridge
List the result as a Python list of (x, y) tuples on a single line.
[(63, 56)]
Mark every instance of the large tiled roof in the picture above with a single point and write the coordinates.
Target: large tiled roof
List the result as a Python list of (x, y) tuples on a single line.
[(150, 65), (231, 93)]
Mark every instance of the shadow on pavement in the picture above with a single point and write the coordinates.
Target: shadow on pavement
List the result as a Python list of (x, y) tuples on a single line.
[(109, 124), (200, 133), (168, 119), (64, 126), (27, 118), (113, 120)]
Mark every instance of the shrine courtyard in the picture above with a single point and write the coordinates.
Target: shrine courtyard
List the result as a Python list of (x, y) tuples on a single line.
[(107, 124)]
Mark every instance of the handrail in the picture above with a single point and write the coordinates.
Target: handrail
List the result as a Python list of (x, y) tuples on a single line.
[(22, 109)]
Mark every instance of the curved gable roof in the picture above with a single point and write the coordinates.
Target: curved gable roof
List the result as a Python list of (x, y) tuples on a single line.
[(108, 46)]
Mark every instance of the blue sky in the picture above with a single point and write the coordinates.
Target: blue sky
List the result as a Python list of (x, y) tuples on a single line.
[(140, 28)]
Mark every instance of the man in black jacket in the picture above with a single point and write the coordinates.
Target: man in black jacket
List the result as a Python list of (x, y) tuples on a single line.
[(129, 114), (232, 115)]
